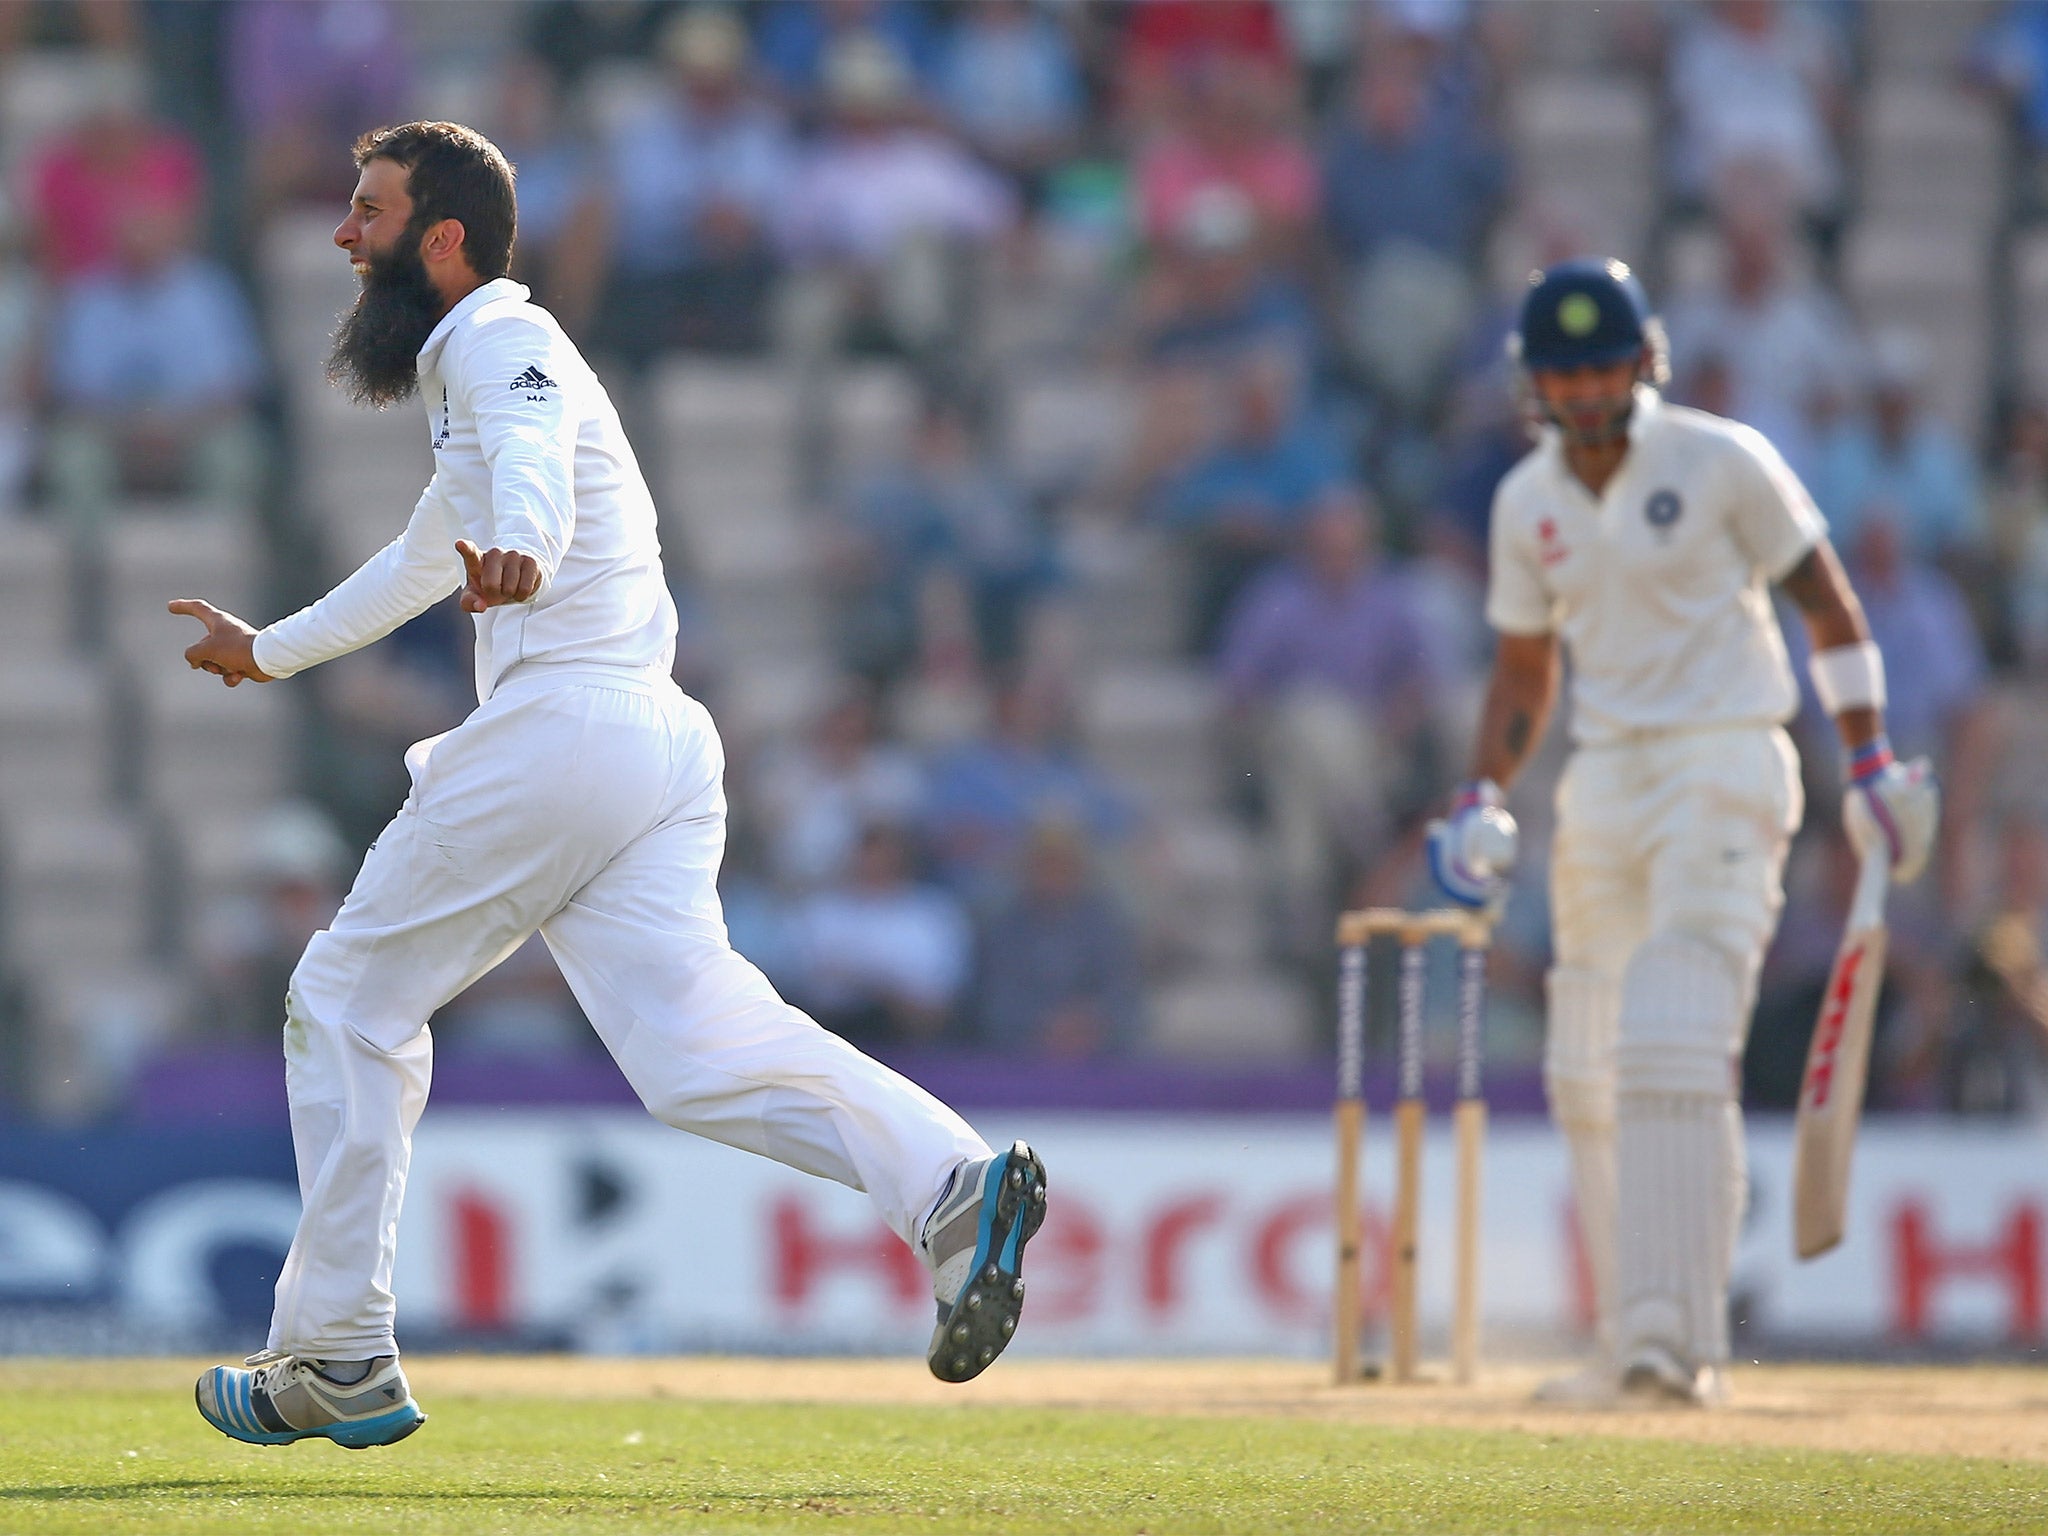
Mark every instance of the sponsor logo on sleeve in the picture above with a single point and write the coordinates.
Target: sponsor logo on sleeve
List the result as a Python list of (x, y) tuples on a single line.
[(531, 383)]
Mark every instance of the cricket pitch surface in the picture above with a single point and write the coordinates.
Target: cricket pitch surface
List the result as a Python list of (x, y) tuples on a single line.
[(532, 1444)]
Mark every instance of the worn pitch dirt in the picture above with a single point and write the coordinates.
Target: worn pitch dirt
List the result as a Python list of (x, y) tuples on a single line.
[(1999, 1412)]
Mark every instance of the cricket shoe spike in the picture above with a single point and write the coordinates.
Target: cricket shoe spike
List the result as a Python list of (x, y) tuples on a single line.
[(1655, 1377), (974, 1241), (281, 1398)]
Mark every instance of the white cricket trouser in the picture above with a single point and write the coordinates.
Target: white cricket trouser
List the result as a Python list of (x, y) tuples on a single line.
[(1666, 889), (593, 810)]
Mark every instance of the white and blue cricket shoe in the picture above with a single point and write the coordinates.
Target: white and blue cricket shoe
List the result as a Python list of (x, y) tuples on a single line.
[(974, 1241), (282, 1398)]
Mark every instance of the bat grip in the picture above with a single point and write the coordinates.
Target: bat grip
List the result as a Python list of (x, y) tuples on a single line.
[(1873, 879)]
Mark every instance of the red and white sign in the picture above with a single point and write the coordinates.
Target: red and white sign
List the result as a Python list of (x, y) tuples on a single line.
[(1166, 1235)]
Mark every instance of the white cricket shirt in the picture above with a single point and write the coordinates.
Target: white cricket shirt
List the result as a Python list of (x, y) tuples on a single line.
[(528, 456), (1659, 588)]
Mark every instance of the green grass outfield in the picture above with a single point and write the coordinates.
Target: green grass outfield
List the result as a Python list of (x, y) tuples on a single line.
[(79, 1452)]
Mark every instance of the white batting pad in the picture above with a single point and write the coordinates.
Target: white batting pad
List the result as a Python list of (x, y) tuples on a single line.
[(1683, 1181), (1683, 1007), (1578, 1075)]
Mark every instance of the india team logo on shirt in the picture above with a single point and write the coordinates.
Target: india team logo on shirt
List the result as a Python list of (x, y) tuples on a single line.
[(1662, 510)]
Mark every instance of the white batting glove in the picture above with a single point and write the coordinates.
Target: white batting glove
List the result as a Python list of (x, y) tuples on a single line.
[(1892, 805), (1472, 850)]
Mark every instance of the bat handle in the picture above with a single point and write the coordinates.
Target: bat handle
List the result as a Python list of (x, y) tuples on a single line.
[(1873, 878)]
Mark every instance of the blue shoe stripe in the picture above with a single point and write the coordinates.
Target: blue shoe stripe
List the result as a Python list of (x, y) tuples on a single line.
[(358, 1433), (991, 1187), (245, 1404), (224, 1399)]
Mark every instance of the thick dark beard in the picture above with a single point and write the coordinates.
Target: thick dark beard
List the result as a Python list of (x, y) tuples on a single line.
[(375, 360)]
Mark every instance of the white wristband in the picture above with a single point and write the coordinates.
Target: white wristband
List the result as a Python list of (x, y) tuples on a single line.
[(1849, 677)]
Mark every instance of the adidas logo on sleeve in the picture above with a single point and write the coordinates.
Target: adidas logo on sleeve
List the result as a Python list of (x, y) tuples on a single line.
[(532, 381)]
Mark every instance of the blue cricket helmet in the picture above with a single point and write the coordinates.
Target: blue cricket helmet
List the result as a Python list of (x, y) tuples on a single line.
[(1582, 314)]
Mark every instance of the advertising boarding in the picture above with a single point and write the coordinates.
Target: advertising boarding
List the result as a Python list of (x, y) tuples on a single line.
[(601, 1230)]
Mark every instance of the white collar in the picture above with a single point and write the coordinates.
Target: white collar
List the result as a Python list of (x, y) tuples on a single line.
[(471, 302)]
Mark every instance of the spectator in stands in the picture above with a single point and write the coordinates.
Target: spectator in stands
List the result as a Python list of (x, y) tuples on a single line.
[(1010, 82), (881, 958), (695, 179), (1327, 664), (1896, 460), (21, 318), (1168, 41), (1788, 343), (885, 218), (1757, 80), (1234, 130), (987, 793), (1995, 1057), (1399, 165), (1410, 182), (944, 512), (1208, 303), (2011, 58), (305, 76), (1484, 436), (574, 37), (523, 1007), (799, 37), (1932, 654), (107, 27), (815, 797), (1707, 382), (419, 682), (560, 204), (1210, 299), (1239, 506), (1934, 663), (1057, 971), (154, 368), (2019, 507), (83, 183), (248, 942)]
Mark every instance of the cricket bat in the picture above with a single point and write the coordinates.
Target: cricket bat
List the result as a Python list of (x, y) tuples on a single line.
[(1837, 1067)]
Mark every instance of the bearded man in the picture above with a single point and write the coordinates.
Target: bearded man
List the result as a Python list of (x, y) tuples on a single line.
[(584, 799)]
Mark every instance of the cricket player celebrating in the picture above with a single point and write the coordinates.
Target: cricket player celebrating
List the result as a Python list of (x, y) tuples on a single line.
[(1643, 537), (583, 798)]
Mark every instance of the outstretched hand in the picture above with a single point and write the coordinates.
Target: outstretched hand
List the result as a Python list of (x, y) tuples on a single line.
[(496, 576), (228, 649)]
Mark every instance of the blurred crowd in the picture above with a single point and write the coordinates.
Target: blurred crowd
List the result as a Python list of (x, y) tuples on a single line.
[(1286, 236)]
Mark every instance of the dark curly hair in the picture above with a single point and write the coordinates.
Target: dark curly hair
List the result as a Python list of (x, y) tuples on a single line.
[(456, 173)]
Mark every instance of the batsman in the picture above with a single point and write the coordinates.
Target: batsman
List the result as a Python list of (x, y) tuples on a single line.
[(1640, 539)]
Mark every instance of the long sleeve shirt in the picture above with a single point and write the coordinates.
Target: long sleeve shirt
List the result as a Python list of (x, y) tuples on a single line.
[(529, 456)]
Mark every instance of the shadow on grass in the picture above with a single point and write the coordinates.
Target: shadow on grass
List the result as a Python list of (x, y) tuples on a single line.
[(227, 1488)]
